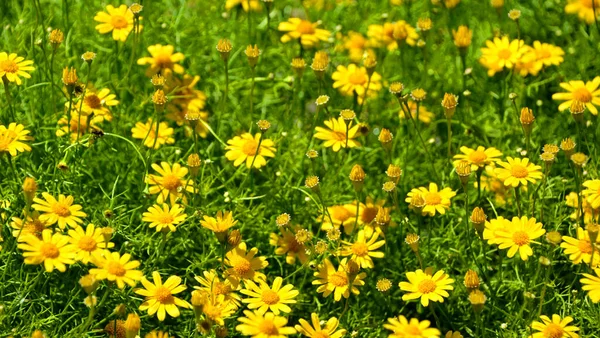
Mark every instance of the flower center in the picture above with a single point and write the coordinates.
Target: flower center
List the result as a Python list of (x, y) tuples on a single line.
[(163, 61), (118, 21), (61, 210), (477, 157), (413, 330), (553, 331), (368, 215), (87, 243), (504, 54), (339, 136), (220, 288), (49, 250), (585, 246), (163, 295), (211, 311), (582, 95), (250, 147), (268, 327), (93, 101), (293, 245), (9, 66), (519, 171), (433, 198), (115, 268), (338, 279), (165, 218), (241, 266), (543, 54), (35, 228), (305, 27), (171, 182), (520, 238), (357, 78), (360, 249), (270, 297), (426, 286)]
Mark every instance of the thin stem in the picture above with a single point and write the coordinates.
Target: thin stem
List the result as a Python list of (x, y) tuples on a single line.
[(449, 138), (407, 113), (87, 77), (252, 96), (8, 98), (518, 199)]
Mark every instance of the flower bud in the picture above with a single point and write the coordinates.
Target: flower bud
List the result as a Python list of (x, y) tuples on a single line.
[(449, 103), (478, 219), (132, 325), (29, 189), (357, 176)]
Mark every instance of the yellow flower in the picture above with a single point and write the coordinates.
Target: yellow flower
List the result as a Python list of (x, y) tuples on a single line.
[(159, 297), (12, 139), (462, 36), (163, 217), (98, 102), (548, 54), (363, 249), (527, 64), (356, 44), (147, 133), (591, 284), (337, 282), (338, 215), (383, 35), (404, 33), (268, 325), (517, 235), (245, 148), (478, 158), (157, 334), (88, 242), (335, 136), (119, 21), (500, 53), (592, 193), (265, 298), (353, 79), (76, 124), (402, 328), (518, 171), (53, 250), (554, 328), (221, 224), (210, 283), (243, 264), (435, 200), (61, 211), (425, 115), (572, 200), (30, 226), (216, 308), (13, 67), (288, 245), (116, 268), (162, 61), (586, 93), (493, 229), (583, 9), (328, 330), (426, 286), (170, 184), (246, 5), (306, 31), (580, 249)]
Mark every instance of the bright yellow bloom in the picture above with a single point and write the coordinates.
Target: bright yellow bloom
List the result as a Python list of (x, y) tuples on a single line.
[(363, 249), (586, 93), (246, 5), (548, 54), (435, 200), (259, 325), (216, 308), (266, 298), (221, 224), (518, 235), (288, 245), (99, 103), (500, 53), (163, 217), (76, 124), (583, 9), (353, 79), (356, 44), (88, 242), (328, 330), (212, 284), (592, 193), (426, 286), (243, 264), (147, 133), (335, 136), (61, 211), (162, 61), (383, 35), (12, 139), (554, 328), (119, 21), (306, 31), (159, 297), (424, 116), (13, 67), (337, 282), (580, 249), (337, 216), (116, 268), (170, 184), (494, 228), (245, 148), (53, 250), (30, 226), (477, 158), (402, 328), (528, 63), (518, 171), (591, 284), (572, 200)]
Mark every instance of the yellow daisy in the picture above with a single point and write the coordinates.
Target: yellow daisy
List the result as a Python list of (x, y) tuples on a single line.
[(306, 31), (478, 158), (528, 63), (518, 171), (402, 328), (548, 54), (119, 21), (586, 93), (212, 284), (220, 224), (170, 183), (494, 228), (267, 325), (163, 217), (216, 308), (518, 235), (426, 286), (246, 5), (13, 138), (13, 67), (245, 148), (288, 245), (243, 264), (363, 249), (356, 44), (147, 133), (424, 116), (266, 298), (329, 328), (592, 193), (335, 136), (583, 9), (435, 200), (591, 284), (500, 53), (383, 35), (61, 210), (116, 268), (337, 282), (162, 61), (30, 226), (53, 250), (554, 328), (159, 297), (337, 216), (88, 242), (572, 200), (157, 334), (77, 124), (99, 103), (580, 249), (353, 79)]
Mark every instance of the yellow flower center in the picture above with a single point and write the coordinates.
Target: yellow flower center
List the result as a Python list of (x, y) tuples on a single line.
[(585, 246), (305, 27), (477, 157), (338, 279), (433, 198), (9, 66), (115, 268), (519, 171), (543, 54), (35, 228), (93, 101), (61, 209), (211, 311), (163, 295), (426, 286), (87, 243), (368, 215), (553, 331), (582, 95), (165, 218), (118, 21), (339, 136), (241, 266), (504, 54), (270, 297), (250, 147), (293, 245), (268, 327), (520, 238), (220, 288), (357, 78), (413, 330), (171, 182), (360, 249), (49, 250)]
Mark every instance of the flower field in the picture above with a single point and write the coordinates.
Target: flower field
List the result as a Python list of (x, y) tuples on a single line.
[(300, 168)]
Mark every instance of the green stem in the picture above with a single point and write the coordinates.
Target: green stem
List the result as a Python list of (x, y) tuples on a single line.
[(518, 200), (8, 98), (449, 138)]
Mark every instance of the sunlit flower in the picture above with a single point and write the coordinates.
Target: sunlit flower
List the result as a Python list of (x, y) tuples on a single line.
[(592, 193), (147, 133), (554, 328), (354, 80), (518, 171), (402, 328), (518, 235), (478, 158), (548, 54), (119, 21), (159, 297), (356, 44), (428, 287), (245, 148), (329, 328), (29, 226), (337, 282), (572, 200), (61, 210), (13, 67), (162, 61), (13, 138), (244, 264), (586, 93), (383, 35), (363, 249), (500, 53), (306, 31), (269, 298), (116, 268), (494, 229), (580, 249), (98, 103), (287, 245), (583, 9), (337, 216), (338, 134), (170, 183), (88, 242), (267, 325), (163, 218), (424, 115), (52, 250), (435, 200), (591, 284), (211, 283)]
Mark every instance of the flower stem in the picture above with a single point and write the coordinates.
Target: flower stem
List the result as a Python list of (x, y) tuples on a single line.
[(518, 200), (8, 98)]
